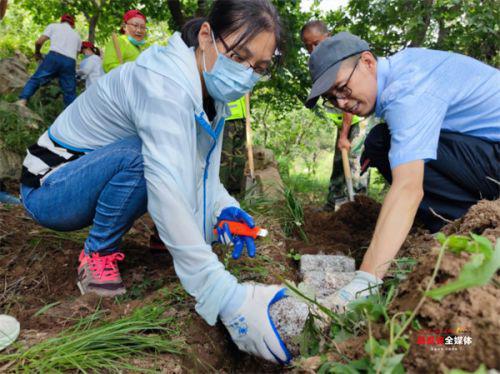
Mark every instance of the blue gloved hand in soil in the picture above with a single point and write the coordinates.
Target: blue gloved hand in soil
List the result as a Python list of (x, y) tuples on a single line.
[(239, 241), (247, 318)]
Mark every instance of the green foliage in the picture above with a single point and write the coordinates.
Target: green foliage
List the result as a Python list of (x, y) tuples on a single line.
[(95, 345), (18, 32), (480, 370), (466, 26), (293, 215), (15, 135), (484, 263)]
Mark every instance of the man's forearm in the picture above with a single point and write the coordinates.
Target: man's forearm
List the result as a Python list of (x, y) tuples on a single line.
[(393, 224)]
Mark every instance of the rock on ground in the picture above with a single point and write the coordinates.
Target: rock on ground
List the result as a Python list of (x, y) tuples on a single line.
[(13, 73), (321, 274), (326, 284), (326, 263)]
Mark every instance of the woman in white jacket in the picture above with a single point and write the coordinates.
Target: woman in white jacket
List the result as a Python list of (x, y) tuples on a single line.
[(90, 68), (148, 134)]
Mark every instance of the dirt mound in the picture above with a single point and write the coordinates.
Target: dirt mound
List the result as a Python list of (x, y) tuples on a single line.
[(347, 231), (482, 218), (474, 311)]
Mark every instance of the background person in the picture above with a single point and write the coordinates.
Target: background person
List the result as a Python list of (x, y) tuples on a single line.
[(148, 136), (233, 158), (60, 62), (91, 66), (440, 149), (129, 44), (348, 131)]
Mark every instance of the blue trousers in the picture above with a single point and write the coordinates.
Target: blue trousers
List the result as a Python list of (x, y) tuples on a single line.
[(104, 189), (54, 65), (455, 181)]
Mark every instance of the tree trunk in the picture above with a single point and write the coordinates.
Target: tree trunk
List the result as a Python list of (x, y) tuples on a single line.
[(92, 26), (3, 8), (419, 38), (202, 8), (442, 35), (176, 11)]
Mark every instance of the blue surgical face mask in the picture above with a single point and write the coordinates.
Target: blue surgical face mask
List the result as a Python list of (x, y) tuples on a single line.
[(228, 80), (135, 41)]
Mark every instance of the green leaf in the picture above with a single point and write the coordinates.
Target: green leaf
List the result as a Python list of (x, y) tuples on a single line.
[(441, 238), (476, 272), (480, 370)]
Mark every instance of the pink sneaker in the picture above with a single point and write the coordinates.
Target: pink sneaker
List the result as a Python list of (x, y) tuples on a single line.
[(99, 274)]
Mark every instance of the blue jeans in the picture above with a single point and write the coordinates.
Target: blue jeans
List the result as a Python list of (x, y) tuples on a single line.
[(54, 65), (104, 188)]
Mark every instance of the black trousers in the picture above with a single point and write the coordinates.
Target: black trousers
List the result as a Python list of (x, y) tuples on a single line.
[(467, 169)]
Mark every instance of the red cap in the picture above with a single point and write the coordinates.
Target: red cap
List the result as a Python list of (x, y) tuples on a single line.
[(87, 44), (132, 14), (68, 18)]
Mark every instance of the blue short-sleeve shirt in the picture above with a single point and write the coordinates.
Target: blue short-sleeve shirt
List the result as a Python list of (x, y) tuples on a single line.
[(422, 92)]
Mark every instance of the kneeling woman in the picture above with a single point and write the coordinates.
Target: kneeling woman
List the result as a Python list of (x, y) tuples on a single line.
[(147, 136)]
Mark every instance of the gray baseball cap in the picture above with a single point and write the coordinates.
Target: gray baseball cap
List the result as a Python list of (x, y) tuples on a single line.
[(326, 59)]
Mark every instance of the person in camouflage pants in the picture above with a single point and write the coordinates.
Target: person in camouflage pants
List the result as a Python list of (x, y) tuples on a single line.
[(233, 157), (350, 134), (337, 189)]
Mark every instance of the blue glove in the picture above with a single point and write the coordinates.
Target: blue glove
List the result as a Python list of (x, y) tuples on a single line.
[(224, 234)]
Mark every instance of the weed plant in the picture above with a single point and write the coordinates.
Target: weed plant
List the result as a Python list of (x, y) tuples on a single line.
[(94, 345)]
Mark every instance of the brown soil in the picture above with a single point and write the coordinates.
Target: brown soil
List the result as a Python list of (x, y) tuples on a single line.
[(476, 309), (347, 231), (38, 267)]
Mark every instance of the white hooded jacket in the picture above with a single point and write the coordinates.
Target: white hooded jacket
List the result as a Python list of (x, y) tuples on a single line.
[(157, 98)]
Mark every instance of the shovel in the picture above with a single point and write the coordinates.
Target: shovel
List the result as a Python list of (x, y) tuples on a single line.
[(347, 174), (250, 180)]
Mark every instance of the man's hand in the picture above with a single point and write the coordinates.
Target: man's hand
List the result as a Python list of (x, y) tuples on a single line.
[(38, 47), (251, 327), (343, 143), (362, 285), (38, 56)]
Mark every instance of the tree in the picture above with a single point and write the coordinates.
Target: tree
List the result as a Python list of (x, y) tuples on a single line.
[(3, 8), (470, 27)]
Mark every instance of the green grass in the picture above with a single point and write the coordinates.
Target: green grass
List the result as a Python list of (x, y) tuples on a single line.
[(93, 344), (14, 134)]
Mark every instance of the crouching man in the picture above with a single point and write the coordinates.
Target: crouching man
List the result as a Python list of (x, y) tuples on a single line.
[(439, 148)]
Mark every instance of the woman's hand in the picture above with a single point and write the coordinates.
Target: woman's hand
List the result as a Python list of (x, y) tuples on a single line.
[(239, 241)]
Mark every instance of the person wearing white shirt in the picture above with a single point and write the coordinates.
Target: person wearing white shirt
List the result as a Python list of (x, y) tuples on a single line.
[(91, 67), (60, 62)]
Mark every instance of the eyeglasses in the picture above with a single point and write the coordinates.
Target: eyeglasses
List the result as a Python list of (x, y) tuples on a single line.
[(330, 100), (235, 56), (138, 26)]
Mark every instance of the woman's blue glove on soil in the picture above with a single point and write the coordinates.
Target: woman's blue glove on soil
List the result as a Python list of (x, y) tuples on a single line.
[(240, 241)]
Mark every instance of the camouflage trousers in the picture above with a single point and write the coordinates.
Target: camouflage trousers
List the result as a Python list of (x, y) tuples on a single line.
[(338, 189), (233, 158)]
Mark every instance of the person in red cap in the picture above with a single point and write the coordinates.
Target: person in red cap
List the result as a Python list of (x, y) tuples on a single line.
[(60, 62), (127, 46), (91, 66)]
